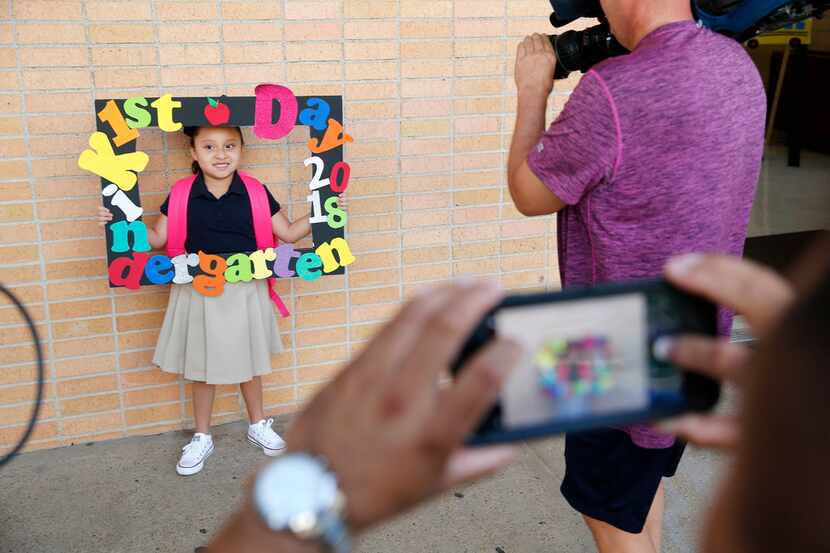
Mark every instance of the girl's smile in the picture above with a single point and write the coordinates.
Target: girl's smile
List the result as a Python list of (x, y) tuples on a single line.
[(218, 151)]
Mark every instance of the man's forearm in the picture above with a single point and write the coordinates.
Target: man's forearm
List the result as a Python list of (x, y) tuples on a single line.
[(530, 125)]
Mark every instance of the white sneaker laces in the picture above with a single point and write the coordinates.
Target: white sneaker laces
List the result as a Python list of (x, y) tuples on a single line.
[(266, 431), (263, 426), (196, 442)]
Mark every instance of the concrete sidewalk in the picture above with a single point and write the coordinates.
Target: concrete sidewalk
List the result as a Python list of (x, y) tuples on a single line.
[(125, 496)]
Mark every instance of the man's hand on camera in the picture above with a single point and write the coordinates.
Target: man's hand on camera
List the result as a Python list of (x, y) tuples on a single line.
[(391, 434), (535, 65), (753, 291)]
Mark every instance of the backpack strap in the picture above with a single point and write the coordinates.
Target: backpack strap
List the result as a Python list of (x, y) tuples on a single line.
[(177, 215), (263, 229), (261, 212)]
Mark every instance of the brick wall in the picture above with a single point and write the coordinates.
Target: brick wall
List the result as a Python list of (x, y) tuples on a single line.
[(428, 95)]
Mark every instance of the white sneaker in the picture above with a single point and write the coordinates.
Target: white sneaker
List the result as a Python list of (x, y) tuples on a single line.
[(262, 435), (195, 454)]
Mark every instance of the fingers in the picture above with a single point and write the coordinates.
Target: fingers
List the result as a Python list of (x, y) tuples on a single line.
[(541, 43), (104, 216), (523, 49), (467, 465), (547, 45), (444, 334), (477, 385), (750, 289), (715, 431), (714, 357), (520, 51), (534, 43)]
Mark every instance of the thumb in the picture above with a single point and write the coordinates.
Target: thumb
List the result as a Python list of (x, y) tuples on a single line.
[(466, 465), (712, 431)]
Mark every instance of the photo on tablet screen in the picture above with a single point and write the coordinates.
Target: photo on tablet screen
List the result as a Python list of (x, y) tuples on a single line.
[(582, 357)]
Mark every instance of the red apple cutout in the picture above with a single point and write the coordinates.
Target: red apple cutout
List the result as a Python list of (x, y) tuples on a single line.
[(216, 112)]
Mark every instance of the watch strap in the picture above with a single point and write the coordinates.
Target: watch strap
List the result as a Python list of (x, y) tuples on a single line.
[(335, 534)]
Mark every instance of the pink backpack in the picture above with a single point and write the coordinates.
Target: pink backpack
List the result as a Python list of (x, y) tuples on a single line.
[(260, 209)]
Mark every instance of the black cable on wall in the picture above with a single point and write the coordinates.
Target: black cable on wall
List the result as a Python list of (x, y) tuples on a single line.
[(39, 385)]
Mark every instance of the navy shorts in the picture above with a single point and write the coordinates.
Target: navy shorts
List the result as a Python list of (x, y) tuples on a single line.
[(609, 478)]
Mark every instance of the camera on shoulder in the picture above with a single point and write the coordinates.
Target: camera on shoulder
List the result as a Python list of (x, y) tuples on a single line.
[(737, 19)]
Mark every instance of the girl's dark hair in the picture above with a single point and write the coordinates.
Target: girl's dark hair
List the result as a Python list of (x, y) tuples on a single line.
[(191, 132)]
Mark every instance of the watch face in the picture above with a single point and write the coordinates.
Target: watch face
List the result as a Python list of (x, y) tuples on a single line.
[(294, 492)]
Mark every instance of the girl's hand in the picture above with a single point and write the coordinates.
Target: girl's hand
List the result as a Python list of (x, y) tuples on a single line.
[(342, 202), (104, 216)]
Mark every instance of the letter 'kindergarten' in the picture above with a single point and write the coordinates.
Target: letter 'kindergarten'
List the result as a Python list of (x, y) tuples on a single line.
[(114, 156), (239, 267)]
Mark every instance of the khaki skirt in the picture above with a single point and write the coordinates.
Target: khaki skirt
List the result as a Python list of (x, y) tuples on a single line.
[(226, 339)]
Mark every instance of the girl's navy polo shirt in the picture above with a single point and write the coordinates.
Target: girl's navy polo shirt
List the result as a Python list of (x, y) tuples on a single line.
[(220, 225)]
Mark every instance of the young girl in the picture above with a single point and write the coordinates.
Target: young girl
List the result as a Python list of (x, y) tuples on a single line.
[(225, 339)]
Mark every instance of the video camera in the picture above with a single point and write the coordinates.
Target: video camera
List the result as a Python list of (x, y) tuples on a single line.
[(738, 19)]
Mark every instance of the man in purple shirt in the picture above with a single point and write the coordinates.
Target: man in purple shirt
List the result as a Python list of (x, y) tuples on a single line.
[(656, 153)]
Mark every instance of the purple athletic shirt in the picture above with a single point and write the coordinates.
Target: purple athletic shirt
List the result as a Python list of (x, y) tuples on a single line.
[(656, 153)]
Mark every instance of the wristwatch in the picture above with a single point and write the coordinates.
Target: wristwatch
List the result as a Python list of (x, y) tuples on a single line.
[(299, 495)]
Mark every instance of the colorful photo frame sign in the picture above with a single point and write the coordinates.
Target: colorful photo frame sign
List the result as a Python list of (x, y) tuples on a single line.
[(274, 111)]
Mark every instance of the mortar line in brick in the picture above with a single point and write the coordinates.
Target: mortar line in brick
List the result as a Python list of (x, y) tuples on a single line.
[(287, 164), (503, 157), (50, 372), (86, 298), (92, 298), (220, 12), (17, 384), (165, 146), (67, 358), (346, 233), (86, 318), (113, 319), (399, 146), (174, 89), (452, 152), (70, 397), (24, 341)]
